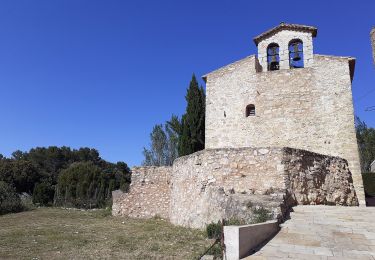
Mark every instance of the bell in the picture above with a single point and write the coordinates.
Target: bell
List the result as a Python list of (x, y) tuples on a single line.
[(274, 64), (273, 55), (273, 58), (296, 57)]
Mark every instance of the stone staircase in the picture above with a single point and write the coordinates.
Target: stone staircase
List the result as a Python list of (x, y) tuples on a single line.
[(324, 232)]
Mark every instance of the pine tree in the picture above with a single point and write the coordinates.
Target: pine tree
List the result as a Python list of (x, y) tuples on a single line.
[(193, 121)]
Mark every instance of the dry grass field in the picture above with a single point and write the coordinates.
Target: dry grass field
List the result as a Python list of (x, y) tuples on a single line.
[(54, 233)]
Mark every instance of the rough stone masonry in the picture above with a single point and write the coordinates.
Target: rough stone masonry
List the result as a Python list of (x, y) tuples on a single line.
[(255, 108), (149, 194), (308, 108), (230, 183)]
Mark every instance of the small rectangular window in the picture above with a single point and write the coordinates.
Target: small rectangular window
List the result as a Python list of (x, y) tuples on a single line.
[(250, 110)]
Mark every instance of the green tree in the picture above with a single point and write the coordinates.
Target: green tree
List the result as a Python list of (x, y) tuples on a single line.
[(172, 132), (43, 194), (9, 199), (164, 144), (175, 125), (86, 185), (157, 153), (184, 144), (18, 155), (192, 134), (366, 144), (20, 174)]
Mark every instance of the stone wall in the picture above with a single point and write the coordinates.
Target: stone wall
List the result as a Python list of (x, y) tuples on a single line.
[(214, 184), (148, 196), (314, 179), (283, 39), (309, 108), (229, 183), (372, 34)]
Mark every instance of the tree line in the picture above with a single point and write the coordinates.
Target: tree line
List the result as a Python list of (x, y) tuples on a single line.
[(60, 176), (366, 147), (179, 136)]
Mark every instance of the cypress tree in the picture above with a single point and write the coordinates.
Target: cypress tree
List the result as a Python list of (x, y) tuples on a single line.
[(184, 147), (193, 121)]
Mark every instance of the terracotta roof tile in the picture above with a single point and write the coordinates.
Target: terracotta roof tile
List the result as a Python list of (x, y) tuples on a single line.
[(287, 26)]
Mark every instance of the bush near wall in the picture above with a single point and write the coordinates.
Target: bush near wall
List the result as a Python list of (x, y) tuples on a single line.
[(9, 199), (369, 183), (86, 185)]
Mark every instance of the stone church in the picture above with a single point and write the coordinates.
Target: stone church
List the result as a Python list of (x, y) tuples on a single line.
[(279, 132), (286, 96)]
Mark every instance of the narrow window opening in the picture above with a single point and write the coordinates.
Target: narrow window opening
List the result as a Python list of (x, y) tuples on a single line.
[(273, 58), (295, 54), (250, 110)]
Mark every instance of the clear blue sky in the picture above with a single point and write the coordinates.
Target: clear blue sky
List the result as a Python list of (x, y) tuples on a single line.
[(102, 73)]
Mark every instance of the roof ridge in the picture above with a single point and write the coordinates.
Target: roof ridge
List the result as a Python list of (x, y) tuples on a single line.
[(281, 26)]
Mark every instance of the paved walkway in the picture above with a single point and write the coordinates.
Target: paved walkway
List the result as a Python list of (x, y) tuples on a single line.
[(324, 232)]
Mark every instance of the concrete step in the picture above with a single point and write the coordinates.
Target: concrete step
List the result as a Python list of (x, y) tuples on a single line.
[(324, 232)]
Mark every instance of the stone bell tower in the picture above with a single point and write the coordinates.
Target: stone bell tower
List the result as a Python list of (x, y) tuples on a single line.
[(282, 40)]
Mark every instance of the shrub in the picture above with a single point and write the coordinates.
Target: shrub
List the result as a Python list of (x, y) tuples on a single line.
[(260, 215), (369, 183), (216, 251), (235, 222), (86, 185), (214, 230), (43, 194), (9, 199)]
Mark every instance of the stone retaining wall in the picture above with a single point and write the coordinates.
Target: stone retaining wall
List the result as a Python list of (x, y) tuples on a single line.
[(318, 179), (229, 183), (220, 183), (233, 183), (149, 194)]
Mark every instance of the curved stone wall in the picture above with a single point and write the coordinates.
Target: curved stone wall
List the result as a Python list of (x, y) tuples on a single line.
[(233, 183), (228, 183)]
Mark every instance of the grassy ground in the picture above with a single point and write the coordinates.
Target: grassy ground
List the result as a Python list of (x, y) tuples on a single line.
[(53, 233)]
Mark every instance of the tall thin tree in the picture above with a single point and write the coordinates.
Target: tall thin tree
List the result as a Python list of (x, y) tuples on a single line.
[(192, 137)]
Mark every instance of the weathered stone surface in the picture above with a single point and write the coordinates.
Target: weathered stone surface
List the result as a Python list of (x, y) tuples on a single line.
[(308, 108), (282, 38), (226, 185), (317, 179), (149, 194), (249, 177), (216, 184)]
